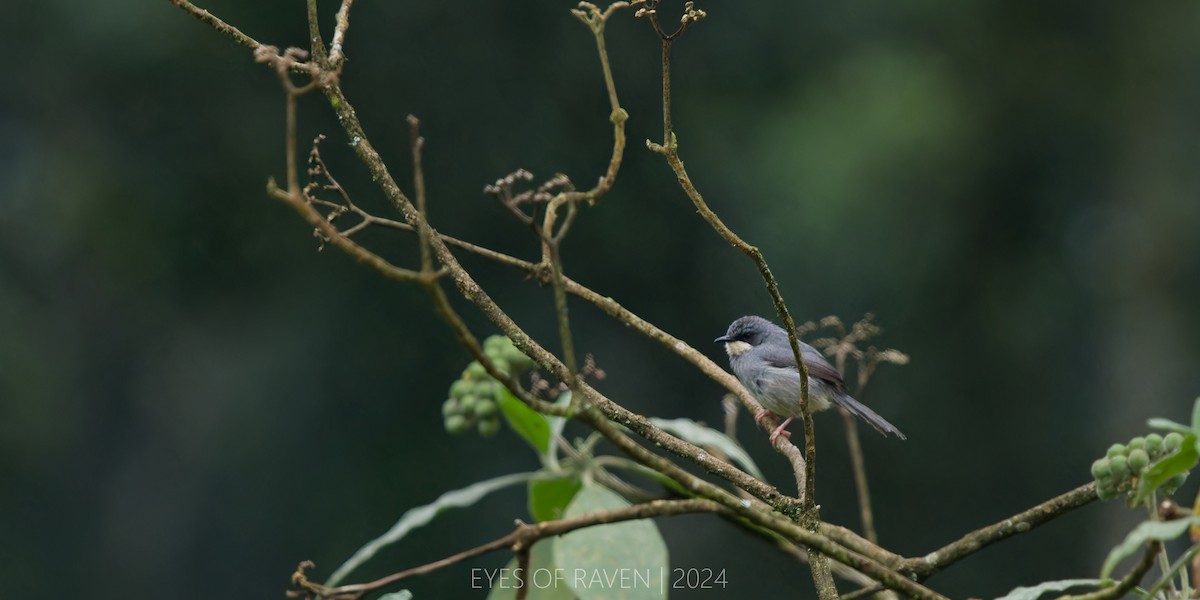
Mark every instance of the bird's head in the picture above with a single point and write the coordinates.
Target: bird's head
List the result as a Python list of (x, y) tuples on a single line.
[(746, 333)]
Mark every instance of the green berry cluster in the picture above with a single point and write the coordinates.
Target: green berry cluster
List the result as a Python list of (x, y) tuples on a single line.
[(1117, 472), (472, 401)]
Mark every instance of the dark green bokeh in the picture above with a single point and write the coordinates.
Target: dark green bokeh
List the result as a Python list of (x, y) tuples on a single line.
[(192, 399)]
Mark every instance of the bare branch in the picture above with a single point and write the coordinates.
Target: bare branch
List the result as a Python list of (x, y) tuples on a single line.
[(418, 143), (337, 54), (212, 21), (923, 567)]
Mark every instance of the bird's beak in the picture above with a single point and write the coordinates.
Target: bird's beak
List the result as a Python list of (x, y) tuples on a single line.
[(723, 338)]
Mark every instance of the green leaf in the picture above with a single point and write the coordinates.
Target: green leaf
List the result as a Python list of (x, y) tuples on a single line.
[(618, 561), (548, 498), (529, 423), (710, 438), (1169, 425), (1196, 418), (1035, 592), (1145, 532), (1182, 461), (544, 581), (400, 595), (416, 517)]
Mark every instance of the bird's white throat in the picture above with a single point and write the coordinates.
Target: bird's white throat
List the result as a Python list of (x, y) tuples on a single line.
[(736, 348)]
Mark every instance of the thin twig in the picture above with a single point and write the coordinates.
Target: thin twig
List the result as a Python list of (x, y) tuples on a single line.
[(523, 568), (418, 144), (596, 20), (221, 26), (314, 34), (857, 463), (337, 48)]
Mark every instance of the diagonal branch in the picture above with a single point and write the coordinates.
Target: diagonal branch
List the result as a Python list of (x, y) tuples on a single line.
[(924, 566), (212, 21)]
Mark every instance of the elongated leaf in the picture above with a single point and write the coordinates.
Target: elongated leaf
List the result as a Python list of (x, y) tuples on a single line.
[(545, 582), (1037, 591), (1145, 532), (1182, 461), (1196, 418), (529, 423), (549, 498), (1169, 425), (400, 595), (711, 438), (416, 517), (619, 561)]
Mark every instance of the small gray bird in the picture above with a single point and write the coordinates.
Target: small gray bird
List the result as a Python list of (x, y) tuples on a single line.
[(761, 357)]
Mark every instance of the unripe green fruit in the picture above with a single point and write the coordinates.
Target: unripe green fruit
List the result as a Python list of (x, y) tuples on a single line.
[(1120, 468), (1101, 469), (1138, 459), (459, 388), (476, 370), (489, 427), (1136, 443), (457, 424), (450, 407), (517, 359), (484, 388), (1116, 450), (494, 345), (486, 408), (1173, 441), (467, 404), (502, 365), (1106, 491), (1154, 443)]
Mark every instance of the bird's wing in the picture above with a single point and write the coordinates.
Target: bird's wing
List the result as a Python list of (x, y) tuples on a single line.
[(818, 367)]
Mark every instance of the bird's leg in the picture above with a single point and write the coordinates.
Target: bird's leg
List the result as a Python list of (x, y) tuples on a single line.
[(781, 431), (760, 415)]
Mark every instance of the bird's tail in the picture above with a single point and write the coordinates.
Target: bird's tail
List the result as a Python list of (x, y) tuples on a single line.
[(868, 415)]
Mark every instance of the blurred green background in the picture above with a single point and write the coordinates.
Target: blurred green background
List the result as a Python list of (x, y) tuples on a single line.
[(193, 399)]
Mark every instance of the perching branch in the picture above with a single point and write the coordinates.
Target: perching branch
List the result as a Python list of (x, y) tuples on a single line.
[(670, 150)]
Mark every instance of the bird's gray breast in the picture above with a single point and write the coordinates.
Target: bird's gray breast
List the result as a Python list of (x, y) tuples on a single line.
[(778, 388)]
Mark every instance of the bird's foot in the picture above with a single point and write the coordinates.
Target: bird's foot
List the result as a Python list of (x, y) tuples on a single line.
[(760, 415), (781, 431)]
